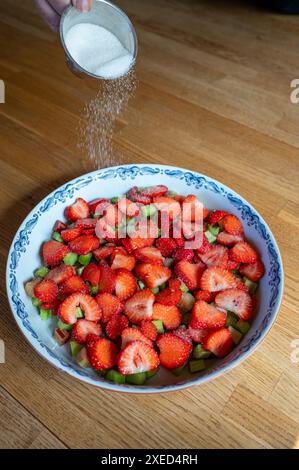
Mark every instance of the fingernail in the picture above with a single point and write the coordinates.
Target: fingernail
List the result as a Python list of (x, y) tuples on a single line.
[(85, 6)]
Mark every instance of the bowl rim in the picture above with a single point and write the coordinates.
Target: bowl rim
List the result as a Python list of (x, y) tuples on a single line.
[(132, 389)]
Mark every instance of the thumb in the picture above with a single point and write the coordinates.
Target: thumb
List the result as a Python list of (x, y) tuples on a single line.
[(82, 5)]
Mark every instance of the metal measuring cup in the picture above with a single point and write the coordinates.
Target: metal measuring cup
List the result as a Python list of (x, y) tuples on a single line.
[(103, 13)]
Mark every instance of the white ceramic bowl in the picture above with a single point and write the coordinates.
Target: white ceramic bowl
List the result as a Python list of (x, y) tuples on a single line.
[(24, 258)]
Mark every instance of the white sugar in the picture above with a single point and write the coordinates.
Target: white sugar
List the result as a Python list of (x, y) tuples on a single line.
[(98, 51)]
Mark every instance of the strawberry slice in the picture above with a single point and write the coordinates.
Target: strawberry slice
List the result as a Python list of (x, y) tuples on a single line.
[(116, 325), (110, 305), (228, 239), (103, 252), (171, 295), (137, 357), (128, 208), (133, 334), (154, 191), (232, 265), (59, 226), (92, 274), (149, 254), (219, 342), (67, 309), (70, 234), (83, 328), (101, 353), (253, 271), (189, 273), (149, 330), (205, 316), (168, 314), (53, 252), (98, 204), (216, 279), (232, 225), (135, 195), (140, 306), (243, 253), (236, 301), (85, 224), (132, 244), (183, 254), (84, 244), (78, 210), (169, 208), (107, 279), (46, 290), (120, 260), (216, 255), (174, 351), (72, 285), (198, 335), (216, 216), (205, 295), (125, 284), (192, 209), (153, 275), (166, 246), (61, 273)]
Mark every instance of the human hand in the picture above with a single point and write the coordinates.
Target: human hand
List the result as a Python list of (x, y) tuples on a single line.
[(51, 10)]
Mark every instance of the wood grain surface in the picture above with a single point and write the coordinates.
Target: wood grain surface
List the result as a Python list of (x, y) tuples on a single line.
[(213, 96)]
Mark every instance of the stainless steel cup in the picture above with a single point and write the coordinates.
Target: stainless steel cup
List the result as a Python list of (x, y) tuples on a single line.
[(103, 13)]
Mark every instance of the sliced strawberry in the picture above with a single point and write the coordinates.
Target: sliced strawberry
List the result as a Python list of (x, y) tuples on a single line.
[(232, 225), (84, 244), (61, 273), (190, 273), (149, 330), (88, 231), (228, 239), (216, 279), (132, 244), (154, 191), (183, 333), (140, 306), (135, 195), (59, 226), (204, 247), (92, 274), (116, 325), (70, 234), (125, 284), (168, 314), (232, 265), (205, 295), (103, 252), (166, 246), (46, 290), (243, 253), (205, 316), (67, 309), (101, 353), (242, 286), (107, 279), (216, 255), (137, 357), (72, 285), (128, 208), (86, 224), (98, 204), (192, 209), (171, 295), (153, 275), (149, 254), (253, 271), (174, 351), (236, 301), (183, 254), (133, 334), (83, 328), (219, 342), (198, 335), (216, 216), (168, 207), (78, 210), (110, 305), (120, 260), (53, 252)]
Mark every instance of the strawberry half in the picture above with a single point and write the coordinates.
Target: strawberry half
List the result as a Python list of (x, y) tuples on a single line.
[(134, 334), (86, 224), (72, 285), (109, 304), (189, 273), (153, 275), (236, 301), (128, 208), (205, 295), (92, 274), (124, 261), (135, 195), (107, 279), (46, 291), (132, 244), (53, 252), (198, 335), (232, 225), (83, 328), (192, 209), (243, 253), (149, 254), (154, 191), (174, 350), (219, 342), (70, 234), (253, 271), (183, 333), (171, 295), (116, 325), (101, 353), (166, 246), (168, 314), (78, 210), (84, 244), (59, 226), (228, 239), (140, 306), (183, 254), (168, 206), (205, 316), (67, 309), (216, 255), (61, 273), (137, 357), (103, 252), (149, 330), (216, 279), (125, 284), (216, 216), (97, 203)]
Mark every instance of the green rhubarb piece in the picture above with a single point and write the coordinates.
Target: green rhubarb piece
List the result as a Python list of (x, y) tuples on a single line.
[(115, 377), (196, 365), (85, 259), (183, 287), (242, 326), (56, 236), (141, 284), (70, 259), (155, 290), (79, 313), (45, 314), (41, 272), (159, 325), (178, 370), (231, 319), (151, 373), (35, 302), (114, 200), (80, 270), (210, 237), (252, 286), (214, 229), (94, 290), (75, 347), (64, 326), (236, 335), (148, 211), (200, 353), (136, 379)]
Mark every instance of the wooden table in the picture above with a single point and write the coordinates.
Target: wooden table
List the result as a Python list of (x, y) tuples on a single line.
[(213, 96)]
